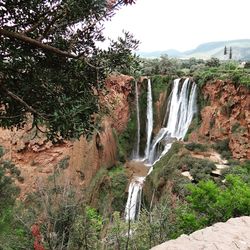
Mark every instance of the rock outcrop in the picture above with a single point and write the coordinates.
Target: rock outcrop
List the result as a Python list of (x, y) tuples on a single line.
[(231, 235), (226, 116)]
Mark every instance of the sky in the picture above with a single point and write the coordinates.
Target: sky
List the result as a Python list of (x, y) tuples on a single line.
[(182, 24)]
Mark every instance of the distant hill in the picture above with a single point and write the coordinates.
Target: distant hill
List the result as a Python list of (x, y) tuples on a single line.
[(240, 51)]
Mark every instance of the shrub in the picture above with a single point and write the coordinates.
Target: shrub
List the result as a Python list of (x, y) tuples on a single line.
[(118, 186), (213, 62), (126, 139), (64, 163), (160, 84), (222, 146), (243, 171), (209, 203), (193, 146)]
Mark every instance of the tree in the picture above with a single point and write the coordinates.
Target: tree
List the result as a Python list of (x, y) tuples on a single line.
[(225, 50), (209, 203), (213, 62), (51, 66), (230, 53)]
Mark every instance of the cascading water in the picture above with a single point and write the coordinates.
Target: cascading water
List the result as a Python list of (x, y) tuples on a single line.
[(135, 187), (133, 204), (149, 119), (136, 154), (180, 110)]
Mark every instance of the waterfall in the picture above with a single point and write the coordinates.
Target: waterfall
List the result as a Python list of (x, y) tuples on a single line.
[(133, 204), (136, 154), (149, 129), (181, 107), (179, 114)]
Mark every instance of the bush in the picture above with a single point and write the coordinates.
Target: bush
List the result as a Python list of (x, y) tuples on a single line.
[(126, 140), (213, 62), (243, 171), (118, 186), (160, 84), (64, 163), (209, 203), (107, 190), (222, 146), (197, 147)]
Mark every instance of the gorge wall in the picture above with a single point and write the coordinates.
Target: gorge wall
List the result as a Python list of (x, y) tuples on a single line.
[(79, 161), (225, 115)]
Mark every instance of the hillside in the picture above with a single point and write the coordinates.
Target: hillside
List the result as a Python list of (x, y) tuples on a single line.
[(240, 48)]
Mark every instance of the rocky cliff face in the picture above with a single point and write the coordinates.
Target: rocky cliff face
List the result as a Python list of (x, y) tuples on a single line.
[(226, 116), (38, 158)]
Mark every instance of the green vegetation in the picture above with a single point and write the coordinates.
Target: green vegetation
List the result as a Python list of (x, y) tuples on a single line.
[(202, 71), (223, 71), (13, 234), (8, 191), (174, 206), (64, 163), (243, 171), (222, 147), (160, 84), (193, 126), (209, 203), (196, 147), (126, 140), (169, 169), (107, 190), (206, 203), (53, 70)]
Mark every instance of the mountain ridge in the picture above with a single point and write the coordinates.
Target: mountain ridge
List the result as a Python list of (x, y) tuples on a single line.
[(240, 49)]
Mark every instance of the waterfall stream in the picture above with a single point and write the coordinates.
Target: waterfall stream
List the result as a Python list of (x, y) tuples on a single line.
[(149, 119), (133, 204), (181, 107), (179, 114), (136, 154)]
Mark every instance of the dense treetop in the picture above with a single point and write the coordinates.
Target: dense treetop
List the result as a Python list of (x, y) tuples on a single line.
[(51, 66)]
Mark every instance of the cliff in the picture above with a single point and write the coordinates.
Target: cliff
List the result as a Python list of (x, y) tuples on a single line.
[(78, 161), (226, 115)]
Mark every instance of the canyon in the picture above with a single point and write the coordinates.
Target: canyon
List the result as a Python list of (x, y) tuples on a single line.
[(226, 115)]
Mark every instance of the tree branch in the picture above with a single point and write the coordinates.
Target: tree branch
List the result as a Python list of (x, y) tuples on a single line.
[(36, 43), (17, 98), (48, 28)]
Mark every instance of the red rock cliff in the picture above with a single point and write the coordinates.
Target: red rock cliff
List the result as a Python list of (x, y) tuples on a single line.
[(227, 115), (38, 158)]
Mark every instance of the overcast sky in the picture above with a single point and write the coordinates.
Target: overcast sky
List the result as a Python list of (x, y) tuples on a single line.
[(182, 24)]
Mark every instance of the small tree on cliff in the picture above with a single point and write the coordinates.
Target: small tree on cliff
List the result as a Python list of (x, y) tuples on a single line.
[(50, 65)]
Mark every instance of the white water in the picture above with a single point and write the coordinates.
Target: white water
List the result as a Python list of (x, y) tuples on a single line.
[(133, 204), (149, 119), (180, 110), (136, 154)]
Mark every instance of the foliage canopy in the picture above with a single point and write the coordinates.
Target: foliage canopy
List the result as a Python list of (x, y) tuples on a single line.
[(51, 65)]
